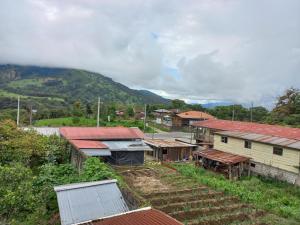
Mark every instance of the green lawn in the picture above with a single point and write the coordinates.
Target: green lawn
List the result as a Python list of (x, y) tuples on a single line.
[(278, 197), (68, 121)]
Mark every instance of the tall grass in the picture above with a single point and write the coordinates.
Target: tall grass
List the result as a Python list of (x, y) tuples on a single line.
[(278, 197)]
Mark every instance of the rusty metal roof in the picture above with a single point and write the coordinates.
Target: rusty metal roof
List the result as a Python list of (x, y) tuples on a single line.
[(144, 216), (268, 139), (195, 115), (220, 156), (257, 128), (164, 143), (101, 133)]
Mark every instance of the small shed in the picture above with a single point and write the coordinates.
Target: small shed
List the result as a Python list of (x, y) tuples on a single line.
[(170, 150), (231, 165), (87, 201), (116, 145), (127, 152)]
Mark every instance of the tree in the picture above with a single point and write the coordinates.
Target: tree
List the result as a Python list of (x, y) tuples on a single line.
[(259, 114), (287, 109), (77, 112), (178, 104), (88, 110), (16, 191), (130, 111), (288, 104)]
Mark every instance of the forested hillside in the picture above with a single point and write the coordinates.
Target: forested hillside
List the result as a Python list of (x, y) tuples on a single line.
[(58, 87)]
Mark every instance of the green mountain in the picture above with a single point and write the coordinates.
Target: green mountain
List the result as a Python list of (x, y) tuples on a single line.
[(53, 87)]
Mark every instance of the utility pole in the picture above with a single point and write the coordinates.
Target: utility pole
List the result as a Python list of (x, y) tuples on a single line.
[(251, 112), (233, 113), (145, 114), (18, 113), (98, 112)]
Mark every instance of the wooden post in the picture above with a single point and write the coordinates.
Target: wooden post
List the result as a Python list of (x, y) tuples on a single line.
[(248, 168), (229, 172)]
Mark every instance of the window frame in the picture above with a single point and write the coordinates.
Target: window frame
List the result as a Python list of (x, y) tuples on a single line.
[(224, 139), (247, 144), (276, 148)]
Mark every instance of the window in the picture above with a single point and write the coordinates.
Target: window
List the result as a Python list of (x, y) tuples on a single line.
[(165, 152), (224, 139), (252, 165), (248, 144), (277, 151)]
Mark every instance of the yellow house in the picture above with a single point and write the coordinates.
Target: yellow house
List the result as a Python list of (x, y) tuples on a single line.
[(270, 155)]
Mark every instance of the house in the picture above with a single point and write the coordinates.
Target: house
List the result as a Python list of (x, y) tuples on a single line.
[(185, 119), (233, 166), (170, 150), (116, 145), (161, 115), (272, 150), (147, 216), (87, 201)]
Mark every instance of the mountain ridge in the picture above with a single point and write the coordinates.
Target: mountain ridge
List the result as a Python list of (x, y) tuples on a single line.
[(74, 84)]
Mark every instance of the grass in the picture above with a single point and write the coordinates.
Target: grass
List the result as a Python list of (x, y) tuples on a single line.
[(25, 82), (89, 122), (4, 93), (278, 197)]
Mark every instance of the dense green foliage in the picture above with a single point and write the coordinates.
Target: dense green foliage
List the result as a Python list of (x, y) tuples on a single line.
[(278, 197), (30, 166), (287, 109)]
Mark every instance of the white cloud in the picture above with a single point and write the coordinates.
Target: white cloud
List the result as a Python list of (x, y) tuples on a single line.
[(223, 50)]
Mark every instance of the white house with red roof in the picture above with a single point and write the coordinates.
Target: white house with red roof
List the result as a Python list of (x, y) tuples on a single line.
[(116, 145), (273, 150)]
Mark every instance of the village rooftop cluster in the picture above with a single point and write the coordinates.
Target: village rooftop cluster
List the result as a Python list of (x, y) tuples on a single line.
[(232, 148)]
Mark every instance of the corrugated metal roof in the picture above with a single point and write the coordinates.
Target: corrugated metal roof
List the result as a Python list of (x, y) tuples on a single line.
[(220, 156), (195, 115), (101, 133), (96, 152), (127, 145), (257, 128), (89, 201), (145, 216), (82, 144), (162, 111), (268, 139), (163, 143)]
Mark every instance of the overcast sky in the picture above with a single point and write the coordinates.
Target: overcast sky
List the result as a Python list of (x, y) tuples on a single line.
[(241, 51)]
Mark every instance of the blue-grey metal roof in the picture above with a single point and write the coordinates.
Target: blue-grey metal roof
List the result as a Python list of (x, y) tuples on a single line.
[(95, 152), (82, 202), (268, 139), (138, 145)]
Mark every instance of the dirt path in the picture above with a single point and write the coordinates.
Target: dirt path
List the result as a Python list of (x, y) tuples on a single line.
[(183, 199)]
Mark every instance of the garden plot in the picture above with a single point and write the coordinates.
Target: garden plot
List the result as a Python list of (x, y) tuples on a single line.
[(188, 202)]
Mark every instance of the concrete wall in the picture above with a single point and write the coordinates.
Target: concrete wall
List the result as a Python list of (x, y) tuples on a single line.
[(266, 163)]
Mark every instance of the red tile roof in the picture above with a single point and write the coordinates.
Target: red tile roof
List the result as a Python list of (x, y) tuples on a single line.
[(266, 129), (101, 133), (195, 115), (82, 144), (220, 156), (138, 217)]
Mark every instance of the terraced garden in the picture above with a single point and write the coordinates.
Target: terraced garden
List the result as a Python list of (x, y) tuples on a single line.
[(186, 200)]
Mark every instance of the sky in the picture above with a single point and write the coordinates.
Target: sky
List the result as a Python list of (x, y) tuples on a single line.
[(196, 50)]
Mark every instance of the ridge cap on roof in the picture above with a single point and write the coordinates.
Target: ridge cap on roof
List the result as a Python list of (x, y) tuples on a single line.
[(82, 185)]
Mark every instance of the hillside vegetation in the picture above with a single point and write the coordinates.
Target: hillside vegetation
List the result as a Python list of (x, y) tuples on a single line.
[(58, 87)]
